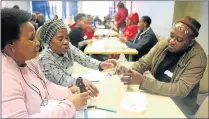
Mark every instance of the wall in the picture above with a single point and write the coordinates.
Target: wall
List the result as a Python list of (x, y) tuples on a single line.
[(189, 8), (25, 5), (199, 11), (161, 13), (80, 5), (95, 8), (203, 37)]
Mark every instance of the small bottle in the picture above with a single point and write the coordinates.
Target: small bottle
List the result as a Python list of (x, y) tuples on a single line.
[(122, 58)]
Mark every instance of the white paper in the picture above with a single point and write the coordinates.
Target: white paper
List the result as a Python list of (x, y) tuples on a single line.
[(108, 44), (98, 45), (135, 102), (91, 76), (100, 26), (79, 114), (92, 113)]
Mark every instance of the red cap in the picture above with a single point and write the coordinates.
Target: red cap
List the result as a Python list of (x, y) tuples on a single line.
[(134, 17)]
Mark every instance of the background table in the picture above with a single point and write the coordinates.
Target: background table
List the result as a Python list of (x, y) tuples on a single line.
[(111, 45)]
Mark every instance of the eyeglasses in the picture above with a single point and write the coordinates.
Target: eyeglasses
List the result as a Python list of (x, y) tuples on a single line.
[(180, 28)]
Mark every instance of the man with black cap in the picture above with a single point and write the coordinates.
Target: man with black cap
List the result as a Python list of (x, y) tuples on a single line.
[(177, 66)]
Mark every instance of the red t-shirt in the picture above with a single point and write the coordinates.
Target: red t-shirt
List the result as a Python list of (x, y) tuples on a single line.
[(121, 17), (130, 31), (89, 32)]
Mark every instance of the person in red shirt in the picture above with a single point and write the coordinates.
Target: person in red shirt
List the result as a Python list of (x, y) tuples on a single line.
[(89, 29), (131, 28), (129, 31), (71, 25), (120, 17)]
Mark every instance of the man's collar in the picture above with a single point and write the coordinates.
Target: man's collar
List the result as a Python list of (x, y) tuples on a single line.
[(145, 31)]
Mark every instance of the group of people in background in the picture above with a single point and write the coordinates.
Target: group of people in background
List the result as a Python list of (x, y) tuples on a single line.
[(37, 19), (134, 31)]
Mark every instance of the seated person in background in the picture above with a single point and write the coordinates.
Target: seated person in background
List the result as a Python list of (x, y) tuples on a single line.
[(33, 21), (129, 31), (40, 19), (89, 29), (76, 35), (106, 22), (144, 40), (177, 66), (55, 17), (97, 20), (34, 18), (25, 91), (57, 59), (131, 28)]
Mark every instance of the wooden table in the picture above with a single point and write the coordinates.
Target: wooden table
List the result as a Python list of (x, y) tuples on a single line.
[(110, 45), (111, 94)]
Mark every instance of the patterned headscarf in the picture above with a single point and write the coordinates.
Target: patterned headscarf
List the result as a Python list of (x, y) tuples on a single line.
[(49, 29)]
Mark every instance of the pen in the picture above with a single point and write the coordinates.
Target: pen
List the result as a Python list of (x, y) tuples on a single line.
[(99, 108), (94, 81), (109, 110)]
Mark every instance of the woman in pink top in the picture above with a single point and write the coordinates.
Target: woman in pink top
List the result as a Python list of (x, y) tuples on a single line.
[(25, 92)]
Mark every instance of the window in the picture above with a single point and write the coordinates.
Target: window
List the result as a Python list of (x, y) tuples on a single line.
[(63, 9)]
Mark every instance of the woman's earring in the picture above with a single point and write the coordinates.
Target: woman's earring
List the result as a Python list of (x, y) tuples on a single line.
[(13, 50)]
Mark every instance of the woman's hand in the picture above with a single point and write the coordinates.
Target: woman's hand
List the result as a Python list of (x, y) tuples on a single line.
[(79, 100)]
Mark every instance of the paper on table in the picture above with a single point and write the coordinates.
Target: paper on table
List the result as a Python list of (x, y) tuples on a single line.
[(93, 113), (79, 114), (91, 76), (135, 102), (98, 45), (100, 26)]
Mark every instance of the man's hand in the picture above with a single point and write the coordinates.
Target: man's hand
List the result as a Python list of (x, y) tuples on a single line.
[(123, 39), (132, 77), (122, 70)]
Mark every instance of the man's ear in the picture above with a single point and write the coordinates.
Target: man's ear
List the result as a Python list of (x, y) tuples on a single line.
[(145, 24), (192, 42)]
